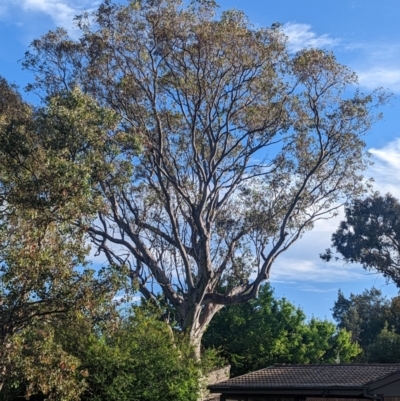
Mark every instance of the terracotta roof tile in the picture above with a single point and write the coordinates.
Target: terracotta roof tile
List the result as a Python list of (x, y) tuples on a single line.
[(312, 376)]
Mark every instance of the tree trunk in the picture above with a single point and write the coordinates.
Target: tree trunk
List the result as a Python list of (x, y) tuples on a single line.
[(196, 344), (196, 323)]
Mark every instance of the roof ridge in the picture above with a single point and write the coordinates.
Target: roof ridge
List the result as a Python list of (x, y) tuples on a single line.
[(314, 375), (330, 364)]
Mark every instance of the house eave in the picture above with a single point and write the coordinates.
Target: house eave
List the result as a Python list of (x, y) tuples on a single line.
[(328, 392)]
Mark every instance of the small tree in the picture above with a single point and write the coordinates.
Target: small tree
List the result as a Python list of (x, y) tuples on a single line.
[(386, 347), (244, 146), (364, 315), (372, 320)]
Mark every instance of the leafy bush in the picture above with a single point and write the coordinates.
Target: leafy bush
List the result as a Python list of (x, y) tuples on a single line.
[(143, 360)]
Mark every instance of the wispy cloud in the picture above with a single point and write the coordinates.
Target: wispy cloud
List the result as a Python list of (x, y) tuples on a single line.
[(318, 290), (312, 271), (386, 168), (301, 36), (62, 12), (380, 77), (377, 65)]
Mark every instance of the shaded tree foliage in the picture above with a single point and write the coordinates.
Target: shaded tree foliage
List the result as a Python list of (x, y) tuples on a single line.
[(370, 235), (386, 347), (39, 368), (45, 279), (364, 314), (268, 330), (372, 319), (244, 146)]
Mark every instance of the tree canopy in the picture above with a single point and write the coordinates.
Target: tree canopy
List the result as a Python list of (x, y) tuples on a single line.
[(45, 278), (386, 347), (374, 322), (268, 330), (243, 145), (370, 235)]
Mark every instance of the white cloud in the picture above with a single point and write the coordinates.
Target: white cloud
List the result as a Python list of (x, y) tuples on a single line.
[(380, 77), (377, 65), (389, 155), (301, 36), (62, 12), (301, 264), (312, 271), (386, 168)]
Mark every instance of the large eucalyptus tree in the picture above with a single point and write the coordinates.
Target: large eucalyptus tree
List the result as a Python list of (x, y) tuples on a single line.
[(243, 145)]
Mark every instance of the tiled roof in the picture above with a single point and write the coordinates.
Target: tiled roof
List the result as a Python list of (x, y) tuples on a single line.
[(311, 376)]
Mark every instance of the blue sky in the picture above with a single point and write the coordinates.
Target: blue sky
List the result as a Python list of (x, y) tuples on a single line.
[(364, 35)]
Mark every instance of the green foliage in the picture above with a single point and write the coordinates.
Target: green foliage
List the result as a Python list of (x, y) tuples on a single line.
[(142, 359), (53, 157), (39, 367), (370, 235), (342, 348), (43, 284), (363, 315), (45, 279), (52, 161), (138, 358), (269, 330), (368, 317), (386, 347)]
